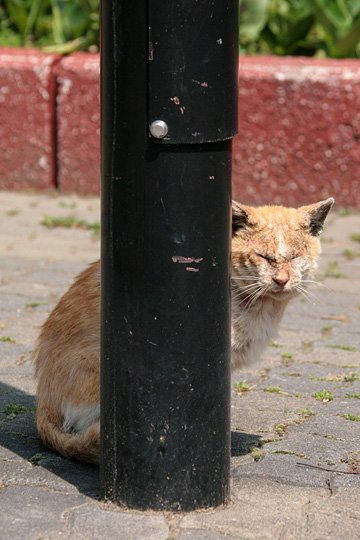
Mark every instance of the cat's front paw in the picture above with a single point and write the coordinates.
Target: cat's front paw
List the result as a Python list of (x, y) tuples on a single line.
[(238, 359)]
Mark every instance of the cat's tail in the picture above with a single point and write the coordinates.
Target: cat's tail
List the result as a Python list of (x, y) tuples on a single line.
[(83, 446)]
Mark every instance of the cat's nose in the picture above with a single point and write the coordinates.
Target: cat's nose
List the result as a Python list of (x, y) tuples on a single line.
[(281, 280)]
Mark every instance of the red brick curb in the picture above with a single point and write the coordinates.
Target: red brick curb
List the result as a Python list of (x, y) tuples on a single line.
[(78, 123), (299, 131), (27, 109), (298, 141)]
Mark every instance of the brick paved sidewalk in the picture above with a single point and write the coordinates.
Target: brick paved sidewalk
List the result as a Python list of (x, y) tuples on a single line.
[(295, 416)]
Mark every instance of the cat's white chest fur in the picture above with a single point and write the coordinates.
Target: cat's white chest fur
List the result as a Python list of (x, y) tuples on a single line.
[(252, 330)]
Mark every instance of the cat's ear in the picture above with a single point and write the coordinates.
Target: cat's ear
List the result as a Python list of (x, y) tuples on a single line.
[(240, 217), (316, 215)]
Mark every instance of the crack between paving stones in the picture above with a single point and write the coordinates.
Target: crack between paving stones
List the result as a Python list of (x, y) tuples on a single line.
[(172, 522), (329, 482), (47, 488), (330, 485), (307, 518), (65, 516)]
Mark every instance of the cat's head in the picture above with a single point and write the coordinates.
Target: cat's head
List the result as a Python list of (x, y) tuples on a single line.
[(275, 249)]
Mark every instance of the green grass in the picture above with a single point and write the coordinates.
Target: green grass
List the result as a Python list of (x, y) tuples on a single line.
[(323, 395), (285, 27), (7, 339), (55, 26), (351, 417), (354, 396), (355, 237)]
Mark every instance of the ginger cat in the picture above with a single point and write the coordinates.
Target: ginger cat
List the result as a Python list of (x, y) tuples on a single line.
[(274, 253)]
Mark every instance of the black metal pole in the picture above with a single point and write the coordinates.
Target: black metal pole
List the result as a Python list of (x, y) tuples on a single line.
[(168, 114)]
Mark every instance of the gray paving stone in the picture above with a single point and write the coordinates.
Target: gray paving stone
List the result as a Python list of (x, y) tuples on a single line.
[(30, 513), (92, 522), (276, 425), (263, 509), (198, 534)]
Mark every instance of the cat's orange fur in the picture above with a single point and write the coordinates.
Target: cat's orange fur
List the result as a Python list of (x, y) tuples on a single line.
[(274, 250), (67, 367)]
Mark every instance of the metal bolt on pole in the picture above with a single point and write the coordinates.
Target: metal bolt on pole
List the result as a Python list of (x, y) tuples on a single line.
[(169, 95)]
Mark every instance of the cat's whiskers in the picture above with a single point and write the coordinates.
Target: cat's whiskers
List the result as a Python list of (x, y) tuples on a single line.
[(252, 295), (309, 293), (245, 290), (310, 297), (249, 287), (255, 296), (314, 282)]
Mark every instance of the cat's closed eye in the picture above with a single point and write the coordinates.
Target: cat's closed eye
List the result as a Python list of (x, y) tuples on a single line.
[(273, 260), (269, 258)]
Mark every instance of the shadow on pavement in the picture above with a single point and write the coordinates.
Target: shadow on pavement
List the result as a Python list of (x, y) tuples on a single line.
[(19, 436), (241, 443)]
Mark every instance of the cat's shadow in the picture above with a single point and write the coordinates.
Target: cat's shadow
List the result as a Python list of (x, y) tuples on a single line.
[(18, 436)]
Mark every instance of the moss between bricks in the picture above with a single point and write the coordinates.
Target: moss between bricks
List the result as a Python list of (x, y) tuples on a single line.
[(7, 339), (290, 453), (37, 458), (12, 410), (241, 387), (276, 390), (351, 417), (255, 451), (324, 395), (70, 222), (350, 348)]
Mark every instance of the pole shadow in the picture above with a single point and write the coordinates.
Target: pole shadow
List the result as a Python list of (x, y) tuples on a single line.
[(241, 443)]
